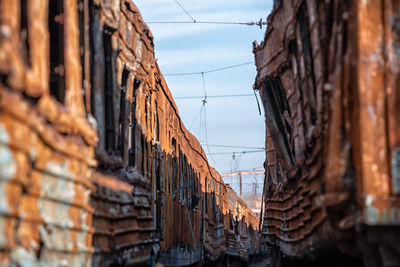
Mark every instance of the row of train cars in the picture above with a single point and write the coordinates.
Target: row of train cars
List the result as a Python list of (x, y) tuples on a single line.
[(328, 73), (96, 166)]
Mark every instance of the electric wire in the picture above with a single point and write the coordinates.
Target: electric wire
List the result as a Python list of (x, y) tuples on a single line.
[(205, 132), (195, 118), (258, 104), (187, 12), (204, 88), (212, 96), (209, 71), (239, 152), (245, 147), (258, 23), (238, 160)]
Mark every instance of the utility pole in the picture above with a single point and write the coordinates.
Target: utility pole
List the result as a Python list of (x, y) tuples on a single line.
[(255, 191), (240, 173), (240, 183)]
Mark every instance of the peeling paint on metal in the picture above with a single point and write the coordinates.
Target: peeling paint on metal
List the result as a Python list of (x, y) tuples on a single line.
[(8, 167)]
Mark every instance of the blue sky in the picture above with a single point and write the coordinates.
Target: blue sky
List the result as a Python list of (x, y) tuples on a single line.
[(200, 47)]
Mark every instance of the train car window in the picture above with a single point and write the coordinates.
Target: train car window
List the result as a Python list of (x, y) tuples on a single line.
[(173, 142), (146, 112), (84, 39), (206, 195), (186, 176), (199, 187), (276, 105), (133, 123), (122, 113), (196, 180), (214, 206), (191, 179), (143, 143), (24, 29), (180, 178), (159, 190), (278, 171), (302, 18), (109, 59), (155, 129), (56, 31), (171, 177), (175, 171), (81, 22), (185, 179)]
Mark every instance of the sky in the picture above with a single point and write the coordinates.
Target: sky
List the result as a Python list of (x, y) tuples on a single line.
[(183, 48)]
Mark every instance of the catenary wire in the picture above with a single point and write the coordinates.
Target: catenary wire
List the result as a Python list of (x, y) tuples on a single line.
[(211, 96), (258, 23), (187, 12), (195, 118), (205, 132), (245, 147), (209, 71), (239, 152)]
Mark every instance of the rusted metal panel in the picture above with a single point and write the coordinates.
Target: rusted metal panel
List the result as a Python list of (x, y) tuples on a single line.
[(330, 95), (46, 148), (73, 67), (372, 100)]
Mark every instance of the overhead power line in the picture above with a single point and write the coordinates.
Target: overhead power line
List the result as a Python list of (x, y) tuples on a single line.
[(242, 173), (259, 23), (211, 96), (195, 118), (239, 152), (209, 71), (187, 12), (245, 147)]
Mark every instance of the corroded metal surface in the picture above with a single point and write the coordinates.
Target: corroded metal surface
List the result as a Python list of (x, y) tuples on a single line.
[(96, 167), (46, 150), (328, 75)]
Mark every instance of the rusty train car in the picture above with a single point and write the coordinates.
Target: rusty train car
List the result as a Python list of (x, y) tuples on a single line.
[(328, 76), (96, 166)]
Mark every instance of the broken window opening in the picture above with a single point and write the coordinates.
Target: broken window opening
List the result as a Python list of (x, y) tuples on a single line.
[(206, 194), (170, 181), (143, 145), (179, 173), (81, 23), (133, 123), (159, 193), (146, 110), (173, 142), (121, 121), (156, 131), (278, 171), (25, 30), (277, 107), (108, 88), (294, 50), (184, 178), (187, 179), (56, 31), (302, 18), (174, 173)]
